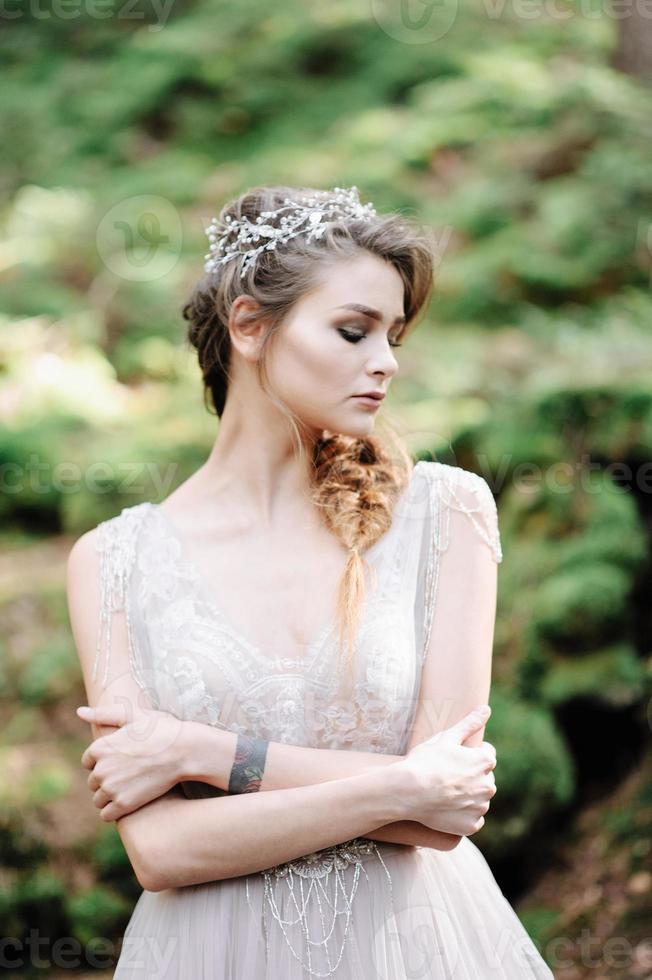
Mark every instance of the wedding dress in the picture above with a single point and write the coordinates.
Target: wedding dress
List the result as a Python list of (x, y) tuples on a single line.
[(362, 909)]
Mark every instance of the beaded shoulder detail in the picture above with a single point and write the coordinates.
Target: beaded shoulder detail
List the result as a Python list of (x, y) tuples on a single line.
[(469, 493), (452, 488), (116, 544)]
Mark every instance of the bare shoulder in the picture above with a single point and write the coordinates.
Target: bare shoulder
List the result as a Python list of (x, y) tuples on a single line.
[(83, 557), (83, 594)]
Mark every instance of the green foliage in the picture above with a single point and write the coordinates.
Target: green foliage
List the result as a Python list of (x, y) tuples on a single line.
[(38, 902), (534, 772), (109, 856), (575, 546), (4, 674), (25, 456), (51, 673), (538, 920), (48, 782), (136, 466), (579, 607), (20, 847), (614, 676), (96, 911)]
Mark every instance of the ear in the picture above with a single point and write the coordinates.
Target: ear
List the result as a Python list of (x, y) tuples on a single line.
[(246, 330)]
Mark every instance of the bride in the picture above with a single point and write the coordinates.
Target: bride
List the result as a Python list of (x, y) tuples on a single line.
[(286, 659)]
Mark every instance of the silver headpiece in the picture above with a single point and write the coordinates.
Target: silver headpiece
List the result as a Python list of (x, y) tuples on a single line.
[(309, 217)]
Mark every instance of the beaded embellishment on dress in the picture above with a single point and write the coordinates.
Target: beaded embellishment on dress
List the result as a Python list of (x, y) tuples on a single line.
[(312, 868), (116, 544), (445, 484)]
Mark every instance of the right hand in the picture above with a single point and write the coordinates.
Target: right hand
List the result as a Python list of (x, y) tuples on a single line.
[(449, 784)]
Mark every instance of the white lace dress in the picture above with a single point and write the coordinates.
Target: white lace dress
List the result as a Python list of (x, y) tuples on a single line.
[(361, 910)]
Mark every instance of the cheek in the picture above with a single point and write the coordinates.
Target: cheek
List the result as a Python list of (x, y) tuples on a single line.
[(312, 368)]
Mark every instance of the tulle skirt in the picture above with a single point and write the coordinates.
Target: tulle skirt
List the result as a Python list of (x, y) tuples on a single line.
[(364, 910)]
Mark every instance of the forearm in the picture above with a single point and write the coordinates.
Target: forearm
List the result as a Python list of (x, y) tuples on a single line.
[(411, 832), (208, 754), (193, 841)]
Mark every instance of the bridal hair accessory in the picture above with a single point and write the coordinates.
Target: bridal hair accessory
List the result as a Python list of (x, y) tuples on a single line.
[(309, 217)]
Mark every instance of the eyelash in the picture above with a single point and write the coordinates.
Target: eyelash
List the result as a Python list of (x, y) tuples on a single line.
[(355, 338)]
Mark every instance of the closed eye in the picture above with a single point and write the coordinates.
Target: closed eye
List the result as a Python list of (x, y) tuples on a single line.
[(354, 338)]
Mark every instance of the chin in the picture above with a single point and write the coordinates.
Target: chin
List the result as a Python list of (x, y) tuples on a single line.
[(354, 428)]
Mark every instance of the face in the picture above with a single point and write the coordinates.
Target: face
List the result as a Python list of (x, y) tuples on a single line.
[(337, 343)]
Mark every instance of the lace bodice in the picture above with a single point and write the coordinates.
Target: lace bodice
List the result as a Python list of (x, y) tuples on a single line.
[(190, 661)]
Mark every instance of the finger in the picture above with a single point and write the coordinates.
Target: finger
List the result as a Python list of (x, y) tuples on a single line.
[(89, 758), (105, 714), (91, 753), (487, 754), (101, 798), (470, 723), (110, 812), (489, 748), (93, 780)]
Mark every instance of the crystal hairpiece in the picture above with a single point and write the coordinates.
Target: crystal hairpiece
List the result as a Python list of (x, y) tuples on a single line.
[(309, 217)]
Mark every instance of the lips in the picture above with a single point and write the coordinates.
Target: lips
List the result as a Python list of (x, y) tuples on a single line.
[(369, 402), (378, 395)]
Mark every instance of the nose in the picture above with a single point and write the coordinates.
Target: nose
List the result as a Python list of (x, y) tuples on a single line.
[(383, 363)]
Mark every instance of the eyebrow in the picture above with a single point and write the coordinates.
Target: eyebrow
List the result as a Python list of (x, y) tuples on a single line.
[(368, 311)]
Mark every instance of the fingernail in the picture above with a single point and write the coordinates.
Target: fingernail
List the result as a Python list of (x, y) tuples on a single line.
[(84, 711), (484, 710)]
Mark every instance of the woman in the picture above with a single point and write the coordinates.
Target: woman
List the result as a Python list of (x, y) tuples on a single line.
[(301, 629)]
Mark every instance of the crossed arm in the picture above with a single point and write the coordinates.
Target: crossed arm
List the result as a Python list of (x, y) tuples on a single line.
[(312, 798)]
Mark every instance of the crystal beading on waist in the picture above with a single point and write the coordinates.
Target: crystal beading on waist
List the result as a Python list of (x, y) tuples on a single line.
[(313, 872)]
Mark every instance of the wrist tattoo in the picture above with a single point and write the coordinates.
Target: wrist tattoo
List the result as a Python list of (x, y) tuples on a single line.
[(248, 765)]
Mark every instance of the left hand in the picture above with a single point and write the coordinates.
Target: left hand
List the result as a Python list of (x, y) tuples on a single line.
[(134, 765)]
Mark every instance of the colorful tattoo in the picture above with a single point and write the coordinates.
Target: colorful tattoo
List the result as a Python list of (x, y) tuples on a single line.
[(248, 765)]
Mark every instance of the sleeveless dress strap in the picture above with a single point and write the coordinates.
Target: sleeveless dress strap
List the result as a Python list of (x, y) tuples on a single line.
[(116, 544)]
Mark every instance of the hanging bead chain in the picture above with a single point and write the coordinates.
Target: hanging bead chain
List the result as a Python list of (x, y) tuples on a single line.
[(116, 544), (315, 867), (443, 497), (487, 527)]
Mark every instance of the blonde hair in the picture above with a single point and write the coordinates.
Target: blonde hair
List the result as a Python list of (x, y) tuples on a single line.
[(355, 481)]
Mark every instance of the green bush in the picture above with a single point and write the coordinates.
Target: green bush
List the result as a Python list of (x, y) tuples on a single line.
[(39, 902), (615, 677), (581, 608), (534, 771), (97, 912), (51, 673)]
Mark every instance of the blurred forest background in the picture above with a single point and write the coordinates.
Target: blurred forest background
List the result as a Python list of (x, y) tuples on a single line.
[(522, 134)]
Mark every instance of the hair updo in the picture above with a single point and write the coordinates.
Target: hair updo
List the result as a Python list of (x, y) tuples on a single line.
[(355, 481)]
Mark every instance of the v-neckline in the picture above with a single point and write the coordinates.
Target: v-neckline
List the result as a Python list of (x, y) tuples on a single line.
[(314, 645)]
